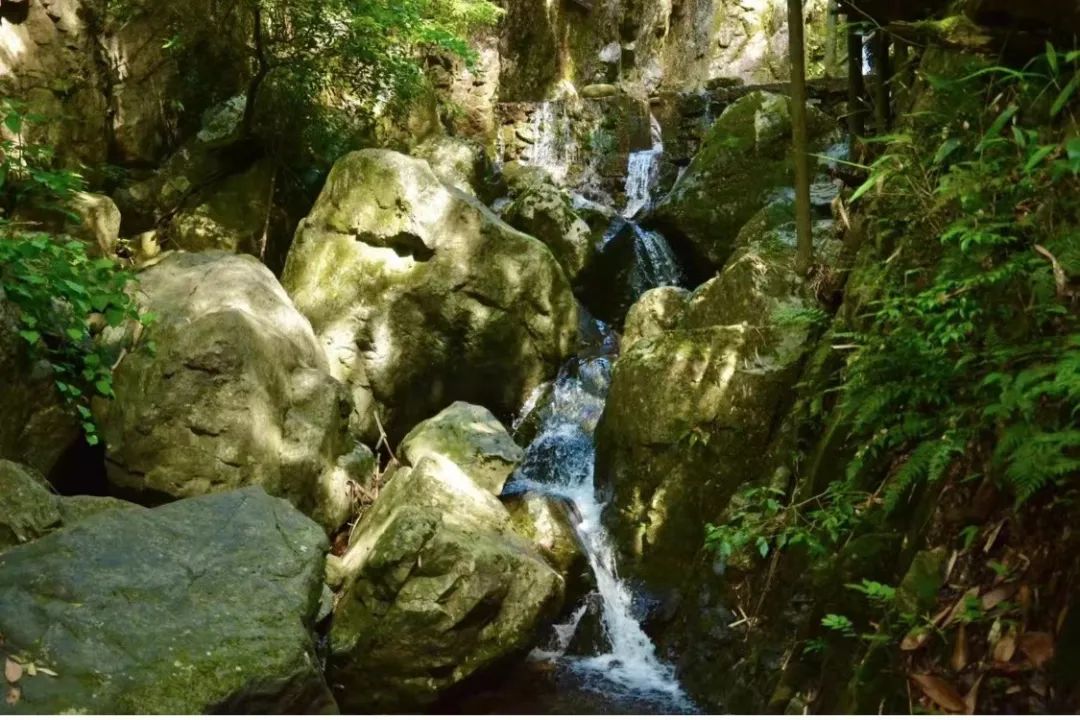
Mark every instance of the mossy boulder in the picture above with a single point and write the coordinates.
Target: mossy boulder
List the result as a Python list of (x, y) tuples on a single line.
[(744, 160), (546, 212), (211, 608), (436, 588), (422, 296), (230, 214), (456, 162), (28, 509), (470, 437), (656, 312), (693, 406), (236, 392), (36, 426), (549, 523)]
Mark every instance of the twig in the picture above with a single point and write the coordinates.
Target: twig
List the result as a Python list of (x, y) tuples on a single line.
[(384, 441), (1060, 279)]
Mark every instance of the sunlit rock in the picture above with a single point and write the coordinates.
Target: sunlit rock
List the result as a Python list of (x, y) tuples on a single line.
[(236, 391), (655, 312), (546, 212), (470, 437), (744, 161), (437, 588), (421, 296)]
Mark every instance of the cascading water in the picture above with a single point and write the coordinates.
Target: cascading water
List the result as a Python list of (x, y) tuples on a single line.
[(559, 462), (553, 142), (643, 172)]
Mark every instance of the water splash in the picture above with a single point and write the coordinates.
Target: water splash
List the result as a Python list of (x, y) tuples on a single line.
[(643, 173), (560, 462)]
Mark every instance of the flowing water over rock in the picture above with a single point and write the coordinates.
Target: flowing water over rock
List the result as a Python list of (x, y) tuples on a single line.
[(553, 140), (643, 172)]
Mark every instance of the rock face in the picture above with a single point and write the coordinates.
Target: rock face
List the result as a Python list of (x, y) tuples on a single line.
[(548, 522), (211, 610), (422, 296), (35, 425), (237, 393), (457, 163), (545, 212), (743, 162), (656, 312), (28, 510), (691, 409), (437, 588), (470, 437)]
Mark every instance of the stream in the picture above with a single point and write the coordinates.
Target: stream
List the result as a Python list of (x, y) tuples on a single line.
[(598, 659)]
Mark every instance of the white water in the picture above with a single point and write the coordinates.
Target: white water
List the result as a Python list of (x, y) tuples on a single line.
[(560, 462), (643, 172), (553, 141)]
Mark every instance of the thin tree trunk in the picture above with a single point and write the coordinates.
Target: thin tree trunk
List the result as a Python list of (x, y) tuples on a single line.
[(261, 71), (796, 42), (856, 85), (831, 39), (883, 68)]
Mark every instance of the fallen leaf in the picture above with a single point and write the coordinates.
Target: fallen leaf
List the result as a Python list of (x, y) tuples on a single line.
[(915, 639), (47, 671), (993, 537), (13, 671), (971, 700), (959, 659), (1037, 646), (941, 692), (31, 669), (1006, 646), (14, 694), (994, 636), (997, 596)]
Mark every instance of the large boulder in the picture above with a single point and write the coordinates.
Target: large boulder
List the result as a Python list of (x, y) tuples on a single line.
[(744, 160), (692, 410), (230, 214), (456, 162), (422, 296), (36, 426), (546, 212), (28, 510), (657, 311), (205, 605), (236, 392), (470, 437), (437, 589)]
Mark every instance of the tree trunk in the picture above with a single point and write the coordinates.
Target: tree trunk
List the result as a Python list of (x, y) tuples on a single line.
[(883, 69), (856, 85), (831, 40), (801, 150), (261, 71)]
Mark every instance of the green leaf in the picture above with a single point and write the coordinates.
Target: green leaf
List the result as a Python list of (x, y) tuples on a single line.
[(1065, 96), (947, 148), (998, 125), (1052, 58), (762, 546), (1038, 156), (30, 336)]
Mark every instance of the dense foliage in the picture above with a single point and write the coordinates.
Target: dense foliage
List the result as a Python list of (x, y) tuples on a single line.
[(315, 69), (59, 290), (965, 361)]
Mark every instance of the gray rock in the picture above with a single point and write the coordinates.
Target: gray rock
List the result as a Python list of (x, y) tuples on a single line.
[(27, 510), (237, 392), (470, 437), (422, 296), (205, 605)]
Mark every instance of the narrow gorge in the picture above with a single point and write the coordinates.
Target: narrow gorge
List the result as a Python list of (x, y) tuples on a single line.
[(539, 356)]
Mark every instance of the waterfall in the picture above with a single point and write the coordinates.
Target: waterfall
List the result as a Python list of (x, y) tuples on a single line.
[(656, 266), (560, 462), (643, 172), (553, 141)]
